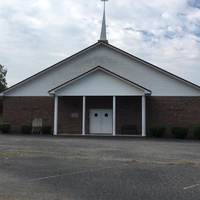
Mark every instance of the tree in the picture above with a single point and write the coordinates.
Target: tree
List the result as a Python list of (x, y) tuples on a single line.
[(3, 83)]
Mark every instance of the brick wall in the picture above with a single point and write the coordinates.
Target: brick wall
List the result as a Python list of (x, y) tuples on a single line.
[(168, 111), (20, 110), (172, 111), (129, 112), (70, 115)]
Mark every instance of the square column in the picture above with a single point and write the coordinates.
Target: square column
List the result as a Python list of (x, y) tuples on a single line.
[(83, 115), (114, 115), (55, 132), (143, 116)]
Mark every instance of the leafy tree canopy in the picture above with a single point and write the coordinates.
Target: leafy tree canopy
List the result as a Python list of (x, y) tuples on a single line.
[(3, 83)]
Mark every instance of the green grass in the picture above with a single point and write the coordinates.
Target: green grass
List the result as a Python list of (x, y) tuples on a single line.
[(130, 161), (184, 163), (11, 154)]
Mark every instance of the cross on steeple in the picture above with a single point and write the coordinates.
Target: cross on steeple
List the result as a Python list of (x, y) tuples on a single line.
[(103, 37)]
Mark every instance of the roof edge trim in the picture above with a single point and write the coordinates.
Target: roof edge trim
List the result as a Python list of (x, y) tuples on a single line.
[(146, 91)]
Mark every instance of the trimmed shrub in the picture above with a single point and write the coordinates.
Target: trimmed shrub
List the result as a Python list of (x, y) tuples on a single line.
[(46, 129), (179, 132), (26, 128), (5, 127), (196, 131), (157, 131)]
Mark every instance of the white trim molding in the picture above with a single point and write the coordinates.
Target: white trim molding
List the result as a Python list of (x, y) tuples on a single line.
[(83, 115), (55, 115), (143, 116), (114, 115)]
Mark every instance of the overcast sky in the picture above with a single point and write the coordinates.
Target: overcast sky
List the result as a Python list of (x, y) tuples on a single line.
[(35, 34)]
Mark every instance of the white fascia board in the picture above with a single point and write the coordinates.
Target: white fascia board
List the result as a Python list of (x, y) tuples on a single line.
[(146, 91), (153, 66), (127, 81), (50, 68)]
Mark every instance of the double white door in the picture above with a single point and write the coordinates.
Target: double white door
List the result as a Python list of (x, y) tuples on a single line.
[(101, 121)]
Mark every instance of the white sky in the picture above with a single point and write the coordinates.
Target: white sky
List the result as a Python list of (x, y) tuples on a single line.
[(35, 34)]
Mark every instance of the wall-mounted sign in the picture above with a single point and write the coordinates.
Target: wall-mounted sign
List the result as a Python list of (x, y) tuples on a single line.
[(74, 114)]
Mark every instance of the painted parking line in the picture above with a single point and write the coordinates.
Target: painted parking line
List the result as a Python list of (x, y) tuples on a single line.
[(78, 172), (192, 186)]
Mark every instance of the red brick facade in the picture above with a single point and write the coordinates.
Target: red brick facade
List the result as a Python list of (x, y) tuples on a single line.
[(22, 110), (168, 111), (173, 111)]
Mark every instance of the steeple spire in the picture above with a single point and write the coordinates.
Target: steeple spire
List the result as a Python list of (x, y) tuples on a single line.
[(103, 37)]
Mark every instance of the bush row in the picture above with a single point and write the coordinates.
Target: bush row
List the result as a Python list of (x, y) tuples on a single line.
[(156, 131), (25, 128), (5, 127), (177, 131)]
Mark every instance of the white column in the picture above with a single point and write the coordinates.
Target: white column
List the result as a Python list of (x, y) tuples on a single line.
[(114, 115), (55, 115), (83, 115), (143, 116)]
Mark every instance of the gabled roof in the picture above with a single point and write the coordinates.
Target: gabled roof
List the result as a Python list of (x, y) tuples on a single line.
[(152, 66), (51, 67), (92, 47), (99, 68)]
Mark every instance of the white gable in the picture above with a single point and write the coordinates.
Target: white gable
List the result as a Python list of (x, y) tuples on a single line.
[(99, 83), (158, 81)]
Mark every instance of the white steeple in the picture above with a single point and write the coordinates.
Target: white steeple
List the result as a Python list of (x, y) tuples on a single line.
[(103, 37)]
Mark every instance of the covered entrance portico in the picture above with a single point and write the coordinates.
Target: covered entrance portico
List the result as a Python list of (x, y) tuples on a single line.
[(101, 83)]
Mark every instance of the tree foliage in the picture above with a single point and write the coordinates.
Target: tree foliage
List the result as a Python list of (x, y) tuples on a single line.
[(3, 83)]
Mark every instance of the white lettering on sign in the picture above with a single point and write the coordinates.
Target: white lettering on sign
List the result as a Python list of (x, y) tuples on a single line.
[(37, 122)]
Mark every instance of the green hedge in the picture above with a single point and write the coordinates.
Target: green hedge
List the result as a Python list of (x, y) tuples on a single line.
[(179, 132), (26, 128), (5, 127), (157, 131), (46, 129), (196, 131)]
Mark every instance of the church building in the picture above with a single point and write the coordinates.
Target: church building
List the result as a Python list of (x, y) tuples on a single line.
[(103, 90)]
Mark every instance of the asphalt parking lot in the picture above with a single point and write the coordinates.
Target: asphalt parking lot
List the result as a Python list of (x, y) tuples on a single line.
[(98, 168)]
